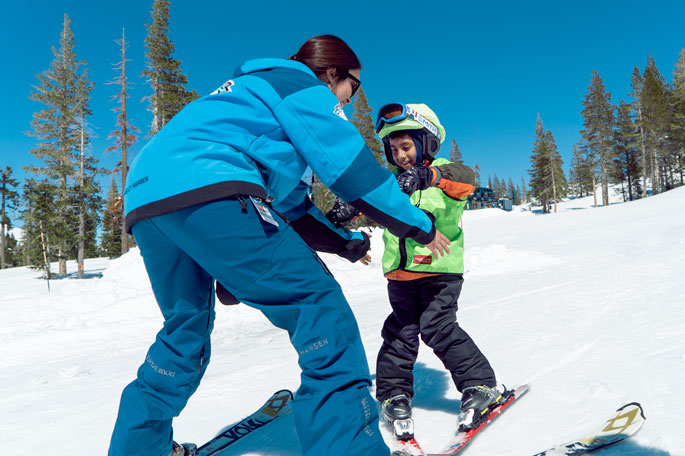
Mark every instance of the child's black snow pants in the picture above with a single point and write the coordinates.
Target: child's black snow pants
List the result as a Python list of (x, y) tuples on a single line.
[(427, 306)]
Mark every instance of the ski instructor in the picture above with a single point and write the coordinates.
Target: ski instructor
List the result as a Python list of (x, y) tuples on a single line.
[(217, 194)]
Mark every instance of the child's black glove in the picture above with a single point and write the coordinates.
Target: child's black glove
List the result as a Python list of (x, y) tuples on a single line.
[(342, 213), (418, 178)]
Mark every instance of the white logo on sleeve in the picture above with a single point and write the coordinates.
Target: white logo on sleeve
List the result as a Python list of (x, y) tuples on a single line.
[(338, 110), (225, 87)]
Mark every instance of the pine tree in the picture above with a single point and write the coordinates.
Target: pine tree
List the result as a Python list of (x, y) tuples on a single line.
[(581, 175), (12, 254), (163, 72), (9, 199), (524, 191), (678, 119), (38, 215), (124, 133), (112, 222), (637, 106), (626, 168), (575, 182), (64, 90), (496, 187), (86, 191), (511, 190), (362, 119), (556, 173), (597, 133), (547, 180), (655, 119), (476, 171), (86, 203), (455, 153), (539, 164)]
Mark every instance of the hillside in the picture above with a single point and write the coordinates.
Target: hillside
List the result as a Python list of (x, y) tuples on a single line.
[(587, 304)]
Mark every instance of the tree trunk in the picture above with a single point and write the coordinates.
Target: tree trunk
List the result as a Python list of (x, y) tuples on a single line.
[(124, 145), (2, 242), (655, 172), (82, 209), (594, 188), (554, 186), (644, 154), (61, 250), (630, 184), (43, 240), (605, 178)]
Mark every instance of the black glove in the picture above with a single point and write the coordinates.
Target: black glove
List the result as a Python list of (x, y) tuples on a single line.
[(342, 213), (417, 178)]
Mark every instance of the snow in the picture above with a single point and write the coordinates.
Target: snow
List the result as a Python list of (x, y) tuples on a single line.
[(16, 233), (587, 304)]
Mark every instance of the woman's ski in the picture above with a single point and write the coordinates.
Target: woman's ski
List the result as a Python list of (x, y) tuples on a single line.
[(625, 422)]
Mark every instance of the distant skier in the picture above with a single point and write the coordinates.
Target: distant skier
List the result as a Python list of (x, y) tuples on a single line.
[(423, 289), (201, 201)]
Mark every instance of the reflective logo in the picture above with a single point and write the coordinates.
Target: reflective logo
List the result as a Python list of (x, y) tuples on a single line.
[(423, 259), (338, 110)]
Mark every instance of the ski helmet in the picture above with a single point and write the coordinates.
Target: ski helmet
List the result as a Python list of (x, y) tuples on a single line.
[(397, 117)]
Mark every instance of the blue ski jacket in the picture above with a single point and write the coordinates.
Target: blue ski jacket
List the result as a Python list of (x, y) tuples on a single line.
[(256, 135)]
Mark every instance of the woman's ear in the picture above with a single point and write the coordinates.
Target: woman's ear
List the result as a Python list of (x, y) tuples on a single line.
[(331, 74)]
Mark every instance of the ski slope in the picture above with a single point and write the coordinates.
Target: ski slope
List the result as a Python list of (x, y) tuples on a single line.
[(587, 304)]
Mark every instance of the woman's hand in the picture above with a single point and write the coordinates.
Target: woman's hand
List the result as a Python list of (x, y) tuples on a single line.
[(439, 246), (367, 258)]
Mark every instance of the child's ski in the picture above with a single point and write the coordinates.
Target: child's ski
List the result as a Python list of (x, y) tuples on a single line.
[(403, 431), (625, 422), (464, 437), (408, 447)]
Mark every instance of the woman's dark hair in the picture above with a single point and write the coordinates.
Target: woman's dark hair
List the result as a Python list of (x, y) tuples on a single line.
[(322, 52)]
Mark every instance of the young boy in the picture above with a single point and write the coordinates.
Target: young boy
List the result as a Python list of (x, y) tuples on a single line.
[(423, 290)]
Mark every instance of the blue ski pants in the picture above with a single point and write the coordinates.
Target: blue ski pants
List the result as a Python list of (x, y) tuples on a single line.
[(269, 268)]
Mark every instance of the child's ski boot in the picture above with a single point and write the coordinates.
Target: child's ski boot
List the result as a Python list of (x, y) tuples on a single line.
[(476, 404), (397, 411)]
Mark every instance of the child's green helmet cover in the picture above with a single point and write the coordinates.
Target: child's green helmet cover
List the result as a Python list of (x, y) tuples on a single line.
[(414, 117)]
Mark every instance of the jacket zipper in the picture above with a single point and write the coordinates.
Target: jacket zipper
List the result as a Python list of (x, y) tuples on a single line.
[(403, 254)]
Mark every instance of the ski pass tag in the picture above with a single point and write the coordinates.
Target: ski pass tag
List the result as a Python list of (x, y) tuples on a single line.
[(338, 110), (263, 211)]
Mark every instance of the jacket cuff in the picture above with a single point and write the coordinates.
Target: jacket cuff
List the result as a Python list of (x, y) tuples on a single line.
[(356, 248), (427, 238)]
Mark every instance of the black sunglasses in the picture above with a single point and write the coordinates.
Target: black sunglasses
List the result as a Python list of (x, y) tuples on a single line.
[(356, 82)]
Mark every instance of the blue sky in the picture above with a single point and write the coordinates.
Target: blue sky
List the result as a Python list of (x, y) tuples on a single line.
[(486, 68)]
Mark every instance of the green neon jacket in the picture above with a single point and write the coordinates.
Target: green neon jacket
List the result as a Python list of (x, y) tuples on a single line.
[(405, 259)]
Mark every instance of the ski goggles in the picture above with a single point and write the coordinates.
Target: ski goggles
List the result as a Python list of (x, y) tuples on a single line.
[(395, 112)]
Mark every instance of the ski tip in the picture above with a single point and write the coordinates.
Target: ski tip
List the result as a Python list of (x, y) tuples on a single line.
[(633, 404), (520, 390), (282, 392)]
